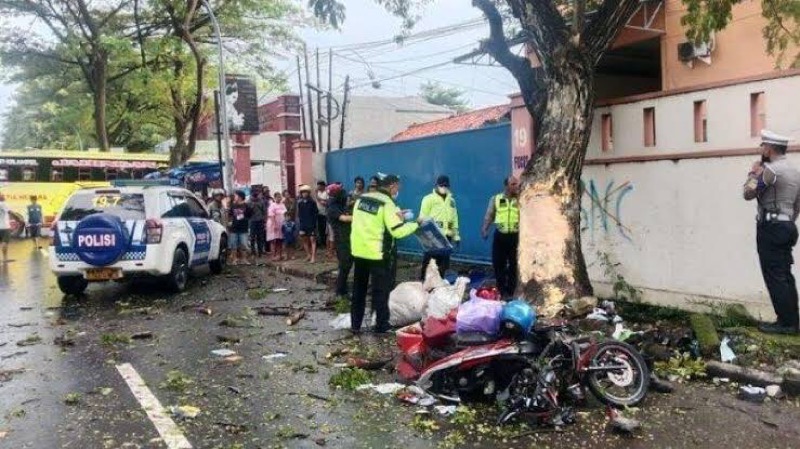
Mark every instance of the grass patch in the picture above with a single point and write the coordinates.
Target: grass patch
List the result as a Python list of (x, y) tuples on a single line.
[(113, 339), (176, 381), (342, 305), (72, 399), (350, 378), (464, 416), (706, 334), (424, 424)]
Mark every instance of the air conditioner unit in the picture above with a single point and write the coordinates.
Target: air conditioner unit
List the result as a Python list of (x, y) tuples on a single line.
[(688, 51)]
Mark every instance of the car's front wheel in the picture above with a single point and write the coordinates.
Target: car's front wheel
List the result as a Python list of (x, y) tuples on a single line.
[(72, 285), (178, 277), (222, 259)]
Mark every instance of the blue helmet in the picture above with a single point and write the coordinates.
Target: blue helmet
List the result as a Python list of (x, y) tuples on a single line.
[(517, 318)]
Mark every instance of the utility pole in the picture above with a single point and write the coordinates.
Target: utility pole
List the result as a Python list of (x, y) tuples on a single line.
[(344, 109), (303, 125), (219, 137), (310, 104), (319, 108), (330, 93)]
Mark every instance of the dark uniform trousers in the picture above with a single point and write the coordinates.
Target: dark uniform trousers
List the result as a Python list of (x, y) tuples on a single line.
[(775, 241), (322, 230), (504, 261), (442, 261), (345, 259), (258, 237), (383, 274)]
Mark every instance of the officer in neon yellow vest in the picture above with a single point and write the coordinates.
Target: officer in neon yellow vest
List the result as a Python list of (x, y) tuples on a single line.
[(503, 212), (440, 206), (377, 223)]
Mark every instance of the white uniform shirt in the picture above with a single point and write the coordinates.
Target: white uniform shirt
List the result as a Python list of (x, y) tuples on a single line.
[(5, 223)]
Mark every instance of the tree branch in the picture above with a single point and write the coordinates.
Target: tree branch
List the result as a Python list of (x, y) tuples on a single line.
[(545, 25), (604, 27)]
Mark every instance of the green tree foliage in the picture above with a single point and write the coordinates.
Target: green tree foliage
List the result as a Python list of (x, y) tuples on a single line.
[(147, 66), (438, 94), (781, 32)]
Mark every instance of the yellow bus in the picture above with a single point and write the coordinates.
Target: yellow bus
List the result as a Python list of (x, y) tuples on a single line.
[(53, 175)]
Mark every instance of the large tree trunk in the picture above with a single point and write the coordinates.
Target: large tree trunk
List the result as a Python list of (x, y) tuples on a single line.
[(551, 265), (178, 153), (99, 80)]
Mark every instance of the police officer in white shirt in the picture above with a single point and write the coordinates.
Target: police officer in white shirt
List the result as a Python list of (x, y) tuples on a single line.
[(775, 184)]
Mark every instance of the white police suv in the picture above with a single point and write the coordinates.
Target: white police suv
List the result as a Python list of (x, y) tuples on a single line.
[(113, 233)]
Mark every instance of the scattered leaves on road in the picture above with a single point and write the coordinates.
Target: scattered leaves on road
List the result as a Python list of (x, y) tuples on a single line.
[(176, 381), (72, 398), (350, 378)]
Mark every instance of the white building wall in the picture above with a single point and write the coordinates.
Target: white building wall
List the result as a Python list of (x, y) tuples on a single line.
[(679, 228), (265, 160)]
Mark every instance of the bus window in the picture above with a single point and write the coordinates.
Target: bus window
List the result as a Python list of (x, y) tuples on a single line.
[(111, 174), (57, 175), (3, 174), (28, 174), (84, 174)]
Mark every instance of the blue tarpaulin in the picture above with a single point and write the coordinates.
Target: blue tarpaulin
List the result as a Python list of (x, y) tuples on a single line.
[(476, 161)]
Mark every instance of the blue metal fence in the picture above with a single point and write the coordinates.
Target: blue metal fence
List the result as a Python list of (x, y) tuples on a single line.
[(476, 161)]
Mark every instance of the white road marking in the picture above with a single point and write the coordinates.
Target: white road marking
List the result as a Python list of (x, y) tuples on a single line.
[(169, 431)]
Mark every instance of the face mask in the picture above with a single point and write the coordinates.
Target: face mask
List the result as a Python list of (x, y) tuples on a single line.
[(442, 190)]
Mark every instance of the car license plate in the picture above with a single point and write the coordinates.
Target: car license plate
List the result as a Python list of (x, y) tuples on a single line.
[(102, 274)]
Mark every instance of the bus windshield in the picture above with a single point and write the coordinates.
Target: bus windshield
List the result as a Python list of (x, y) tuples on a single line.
[(123, 205)]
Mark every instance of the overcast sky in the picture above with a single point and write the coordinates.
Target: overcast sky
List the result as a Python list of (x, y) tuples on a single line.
[(368, 22)]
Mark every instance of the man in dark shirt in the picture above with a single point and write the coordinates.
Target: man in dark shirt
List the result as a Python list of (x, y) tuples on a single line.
[(307, 212), (340, 215), (35, 221), (240, 214), (258, 236)]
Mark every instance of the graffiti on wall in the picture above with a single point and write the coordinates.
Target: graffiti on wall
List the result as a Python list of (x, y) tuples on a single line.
[(605, 208)]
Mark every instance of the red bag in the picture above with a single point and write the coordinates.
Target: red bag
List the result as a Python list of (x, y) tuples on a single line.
[(436, 332)]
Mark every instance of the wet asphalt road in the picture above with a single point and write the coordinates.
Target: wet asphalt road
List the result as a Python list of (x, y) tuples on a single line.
[(257, 403)]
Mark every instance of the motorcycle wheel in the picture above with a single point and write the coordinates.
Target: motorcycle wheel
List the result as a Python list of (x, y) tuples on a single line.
[(620, 388)]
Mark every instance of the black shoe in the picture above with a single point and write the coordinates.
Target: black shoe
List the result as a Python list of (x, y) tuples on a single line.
[(355, 331), (381, 330), (777, 328)]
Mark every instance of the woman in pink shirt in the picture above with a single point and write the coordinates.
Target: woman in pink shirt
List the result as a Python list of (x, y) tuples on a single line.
[(275, 215)]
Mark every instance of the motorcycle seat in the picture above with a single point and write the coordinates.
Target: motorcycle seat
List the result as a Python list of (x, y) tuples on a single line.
[(474, 339)]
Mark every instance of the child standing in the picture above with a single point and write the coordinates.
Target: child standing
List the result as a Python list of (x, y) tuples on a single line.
[(275, 217), (289, 230)]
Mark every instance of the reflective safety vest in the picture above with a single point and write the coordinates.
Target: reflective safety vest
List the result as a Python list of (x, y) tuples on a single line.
[(443, 212), (506, 214), (376, 225)]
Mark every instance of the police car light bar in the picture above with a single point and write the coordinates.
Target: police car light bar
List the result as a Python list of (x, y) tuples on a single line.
[(140, 182)]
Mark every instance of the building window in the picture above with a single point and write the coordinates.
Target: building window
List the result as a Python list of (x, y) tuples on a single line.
[(28, 174), (758, 113), (649, 127), (84, 174), (607, 132), (700, 122), (56, 176)]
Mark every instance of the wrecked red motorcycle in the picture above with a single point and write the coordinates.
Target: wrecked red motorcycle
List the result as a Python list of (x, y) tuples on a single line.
[(527, 368)]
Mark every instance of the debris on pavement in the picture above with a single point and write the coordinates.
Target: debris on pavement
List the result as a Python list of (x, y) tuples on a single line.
[(318, 396), (31, 340), (416, 396), (279, 290), (72, 398), (234, 390), (387, 388), (753, 394), (320, 442), (203, 310), (659, 385), (369, 365), (63, 341), (622, 424), (580, 306), (232, 360), (10, 356), (273, 311), (342, 321), (19, 325), (350, 378), (277, 355), (223, 352), (773, 391), (725, 352), (295, 317), (232, 427), (445, 410), (142, 336), (184, 411), (8, 374), (228, 339), (621, 333)]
